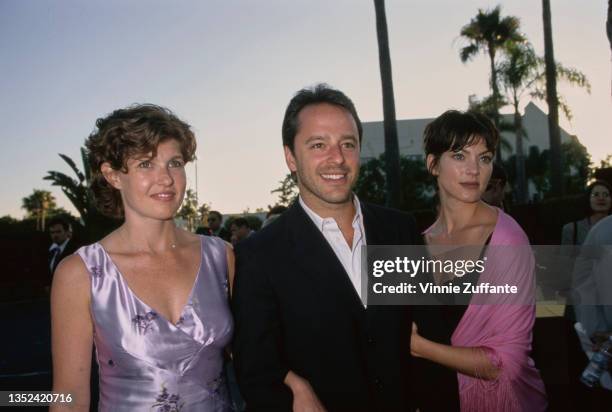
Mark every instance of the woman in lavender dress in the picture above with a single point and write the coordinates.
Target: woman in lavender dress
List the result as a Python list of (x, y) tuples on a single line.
[(150, 296)]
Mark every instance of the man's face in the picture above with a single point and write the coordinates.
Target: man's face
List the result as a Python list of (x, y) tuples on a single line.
[(239, 232), (58, 234), (214, 222), (325, 155)]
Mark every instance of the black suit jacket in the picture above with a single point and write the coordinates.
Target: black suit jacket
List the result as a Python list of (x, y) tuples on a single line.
[(296, 309), (70, 248)]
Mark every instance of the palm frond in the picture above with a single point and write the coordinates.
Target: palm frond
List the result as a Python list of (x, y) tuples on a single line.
[(61, 179), (86, 164), (468, 52), (73, 166)]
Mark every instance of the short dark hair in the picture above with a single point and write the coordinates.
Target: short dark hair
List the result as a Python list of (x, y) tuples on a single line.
[(453, 130), (58, 220), (133, 131), (320, 93), (218, 214), (590, 189), (241, 222)]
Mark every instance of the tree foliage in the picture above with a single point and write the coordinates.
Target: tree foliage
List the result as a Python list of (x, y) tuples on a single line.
[(80, 195), (418, 187), (39, 205), (189, 210), (287, 191)]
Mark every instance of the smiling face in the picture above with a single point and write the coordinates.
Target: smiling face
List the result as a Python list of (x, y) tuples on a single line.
[(600, 199), (325, 157), (463, 175), (153, 187)]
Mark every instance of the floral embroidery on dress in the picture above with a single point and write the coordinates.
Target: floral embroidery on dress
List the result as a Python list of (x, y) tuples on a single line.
[(180, 321), (144, 321), (96, 271), (166, 402)]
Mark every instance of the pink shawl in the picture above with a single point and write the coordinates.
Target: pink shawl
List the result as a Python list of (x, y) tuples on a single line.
[(503, 330)]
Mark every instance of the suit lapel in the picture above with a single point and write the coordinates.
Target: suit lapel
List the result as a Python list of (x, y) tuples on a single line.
[(373, 227), (315, 258)]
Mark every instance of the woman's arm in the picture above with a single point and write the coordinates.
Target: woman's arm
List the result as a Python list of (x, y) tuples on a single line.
[(71, 333), (468, 361)]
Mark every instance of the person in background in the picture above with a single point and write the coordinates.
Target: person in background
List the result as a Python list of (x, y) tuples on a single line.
[(598, 205), (496, 189), (240, 229), (215, 225), (592, 297), (151, 297), (62, 244)]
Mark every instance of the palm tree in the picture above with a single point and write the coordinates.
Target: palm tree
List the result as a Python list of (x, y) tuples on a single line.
[(517, 71), (38, 205), (523, 71), (392, 159), (609, 23), (78, 192), (556, 165), (489, 32)]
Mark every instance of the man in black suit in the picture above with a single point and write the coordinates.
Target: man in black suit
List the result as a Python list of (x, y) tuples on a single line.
[(304, 339), (62, 244)]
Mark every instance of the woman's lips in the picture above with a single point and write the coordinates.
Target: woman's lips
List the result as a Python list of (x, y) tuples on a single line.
[(164, 196), (469, 185)]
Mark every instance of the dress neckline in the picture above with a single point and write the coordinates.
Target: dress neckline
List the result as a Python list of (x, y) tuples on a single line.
[(151, 308)]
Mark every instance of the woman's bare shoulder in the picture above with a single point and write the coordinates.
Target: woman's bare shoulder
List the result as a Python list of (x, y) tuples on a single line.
[(71, 276)]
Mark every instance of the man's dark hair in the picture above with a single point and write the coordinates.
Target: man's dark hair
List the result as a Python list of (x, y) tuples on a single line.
[(241, 222), (453, 130), (320, 93), (218, 214), (58, 220)]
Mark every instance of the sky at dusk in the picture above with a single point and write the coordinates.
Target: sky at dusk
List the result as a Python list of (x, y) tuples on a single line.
[(229, 68)]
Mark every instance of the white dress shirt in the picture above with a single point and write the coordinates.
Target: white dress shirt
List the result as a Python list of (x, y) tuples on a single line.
[(348, 255)]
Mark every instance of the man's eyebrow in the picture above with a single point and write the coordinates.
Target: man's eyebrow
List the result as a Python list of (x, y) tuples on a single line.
[(315, 137)]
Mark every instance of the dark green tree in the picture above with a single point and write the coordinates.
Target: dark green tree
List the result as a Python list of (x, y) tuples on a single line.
[(189, 210), (522, 71), (287, 191), (418, 187), (556, 161), (393, 186), (488, 32), (39, 205), (78, 192)]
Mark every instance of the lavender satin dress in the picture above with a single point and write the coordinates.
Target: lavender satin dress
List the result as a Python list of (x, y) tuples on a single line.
[(146, 362)]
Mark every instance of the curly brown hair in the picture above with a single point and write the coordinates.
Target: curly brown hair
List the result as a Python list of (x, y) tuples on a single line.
[(125, 133)]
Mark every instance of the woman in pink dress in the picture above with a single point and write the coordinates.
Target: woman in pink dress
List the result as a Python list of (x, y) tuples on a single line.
[(490, 340)]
